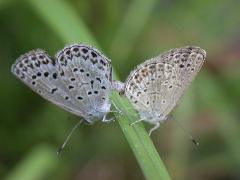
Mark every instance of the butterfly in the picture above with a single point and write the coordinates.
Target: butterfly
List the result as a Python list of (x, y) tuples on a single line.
[(78, 79), (155, 86)]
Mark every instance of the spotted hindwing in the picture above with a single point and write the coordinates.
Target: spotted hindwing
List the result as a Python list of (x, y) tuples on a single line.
[(89, 77), (156, 85)]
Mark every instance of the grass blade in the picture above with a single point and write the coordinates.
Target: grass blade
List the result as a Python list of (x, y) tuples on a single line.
[(60, 16), (141, 144)]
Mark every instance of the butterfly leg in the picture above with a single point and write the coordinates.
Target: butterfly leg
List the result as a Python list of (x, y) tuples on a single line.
[(105, 120), (117, 108), (157, 124), (131, 124)]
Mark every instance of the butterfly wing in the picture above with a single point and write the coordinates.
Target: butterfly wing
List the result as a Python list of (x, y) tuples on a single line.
[(157, 85), (39, 71), (89, 77)]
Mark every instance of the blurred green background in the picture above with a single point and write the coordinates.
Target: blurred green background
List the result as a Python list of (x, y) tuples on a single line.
[(128, 32)]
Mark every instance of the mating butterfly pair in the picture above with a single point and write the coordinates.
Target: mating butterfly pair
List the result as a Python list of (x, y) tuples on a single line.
[(79, 80)]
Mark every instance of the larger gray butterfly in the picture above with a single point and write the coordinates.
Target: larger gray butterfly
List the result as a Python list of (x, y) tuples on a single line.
[(78, 79), (155, 86)]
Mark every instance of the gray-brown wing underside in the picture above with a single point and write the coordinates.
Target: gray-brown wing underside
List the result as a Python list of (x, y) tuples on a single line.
[(156, 85)]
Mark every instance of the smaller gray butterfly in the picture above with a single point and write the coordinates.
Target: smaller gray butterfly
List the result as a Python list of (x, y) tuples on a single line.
[(155, 86)]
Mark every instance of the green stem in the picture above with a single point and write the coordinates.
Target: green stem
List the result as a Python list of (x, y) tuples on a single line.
[(142, 146)]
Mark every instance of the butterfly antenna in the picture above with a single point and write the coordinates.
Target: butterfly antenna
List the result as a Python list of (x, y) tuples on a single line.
[(68, 137), (187, 133)]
